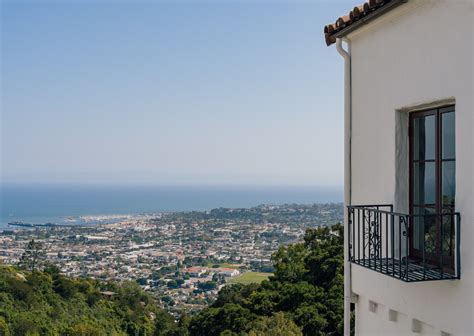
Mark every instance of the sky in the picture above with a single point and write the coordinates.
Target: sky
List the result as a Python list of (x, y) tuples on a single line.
[(171, 92)]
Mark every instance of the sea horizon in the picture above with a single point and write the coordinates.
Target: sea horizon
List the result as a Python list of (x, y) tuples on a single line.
[(64, 203)]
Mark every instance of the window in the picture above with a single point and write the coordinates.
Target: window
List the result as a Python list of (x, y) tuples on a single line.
[(432, 184)]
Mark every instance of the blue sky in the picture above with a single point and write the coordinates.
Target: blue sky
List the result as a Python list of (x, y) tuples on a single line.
[(176, 92)]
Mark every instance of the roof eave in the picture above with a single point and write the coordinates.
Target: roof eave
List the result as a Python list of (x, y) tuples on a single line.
[(331, 38)]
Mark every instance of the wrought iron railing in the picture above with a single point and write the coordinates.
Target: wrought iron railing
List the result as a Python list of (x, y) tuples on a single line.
[(409, 247)]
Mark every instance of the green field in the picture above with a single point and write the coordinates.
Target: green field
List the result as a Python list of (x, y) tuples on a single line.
[(226, 265), (249, 277)]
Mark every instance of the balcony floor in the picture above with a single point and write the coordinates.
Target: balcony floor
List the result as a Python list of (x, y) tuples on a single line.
[(395, 269)]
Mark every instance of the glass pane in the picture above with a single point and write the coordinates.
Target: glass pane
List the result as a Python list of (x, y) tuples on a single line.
[(424, 229), (449, 182), (424, 183), (448, 142), (448, 235), (424, 131)]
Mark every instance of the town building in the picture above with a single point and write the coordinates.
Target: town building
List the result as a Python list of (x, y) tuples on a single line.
[(228, 272), (195, 271), (409, 151)]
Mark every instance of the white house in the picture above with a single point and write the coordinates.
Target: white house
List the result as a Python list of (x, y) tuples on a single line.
[(409, 152), (195, 271), (228, 272)]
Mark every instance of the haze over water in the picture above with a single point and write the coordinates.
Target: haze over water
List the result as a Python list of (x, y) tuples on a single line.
[(54, 203)]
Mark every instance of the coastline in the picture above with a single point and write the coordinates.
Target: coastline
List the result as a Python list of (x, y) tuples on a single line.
[(93, 205)]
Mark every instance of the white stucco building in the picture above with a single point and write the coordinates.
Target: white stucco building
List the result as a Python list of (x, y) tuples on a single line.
[(409, 165)]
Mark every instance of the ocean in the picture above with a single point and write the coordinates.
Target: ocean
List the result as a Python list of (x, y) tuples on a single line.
[(62, 204)]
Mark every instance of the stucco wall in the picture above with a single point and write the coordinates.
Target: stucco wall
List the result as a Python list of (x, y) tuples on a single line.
[(420, 52)]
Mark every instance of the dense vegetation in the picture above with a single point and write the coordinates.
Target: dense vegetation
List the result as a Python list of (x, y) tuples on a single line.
[(306, 290), (47, 303), (304, 297)]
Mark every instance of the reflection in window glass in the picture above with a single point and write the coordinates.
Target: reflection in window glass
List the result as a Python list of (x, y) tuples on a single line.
[(449, 182), (447, 239), (424, 181), (433, 184), (424, 132), (448, 145), (424, 229)]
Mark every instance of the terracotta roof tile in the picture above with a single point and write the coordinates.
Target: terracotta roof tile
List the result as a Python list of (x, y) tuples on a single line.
[(356, 14)]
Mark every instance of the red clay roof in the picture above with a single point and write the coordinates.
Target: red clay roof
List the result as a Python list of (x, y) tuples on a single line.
[(359, 13)]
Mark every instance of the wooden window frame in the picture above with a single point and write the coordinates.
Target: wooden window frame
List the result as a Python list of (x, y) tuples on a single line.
[(438, 160)]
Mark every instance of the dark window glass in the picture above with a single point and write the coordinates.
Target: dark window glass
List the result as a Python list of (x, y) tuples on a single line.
[(449, 183), (447, 238), (424, 181), (448, 146), (424, 229), (433, 184), (424, 132)]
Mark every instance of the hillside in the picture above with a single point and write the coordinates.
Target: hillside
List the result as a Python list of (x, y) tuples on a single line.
[(303, 297), (306, 291), (46, 303)]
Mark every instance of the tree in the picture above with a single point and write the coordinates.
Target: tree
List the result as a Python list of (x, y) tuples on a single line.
[(48, 303), (214, 321), (289, 263), (218, 278), (84, 329), (4, 328), (33, 256), (168, 300), (131, 295), (142, 281), (324, 260), (235, 293), (164, 323), (172, 284), (65, 287), (276, 325), (52, 270), (26, 327), (307, 289), (207, 285)]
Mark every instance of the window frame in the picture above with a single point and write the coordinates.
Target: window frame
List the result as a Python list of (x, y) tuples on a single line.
[(438, 206)]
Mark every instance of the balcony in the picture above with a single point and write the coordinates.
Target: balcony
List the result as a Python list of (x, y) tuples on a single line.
[(408, 247)]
